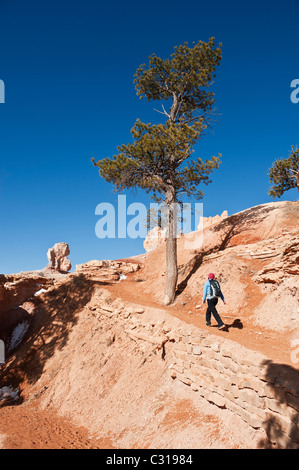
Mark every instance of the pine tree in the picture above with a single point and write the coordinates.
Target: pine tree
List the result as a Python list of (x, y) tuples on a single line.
[(158, 160), (284, 174)]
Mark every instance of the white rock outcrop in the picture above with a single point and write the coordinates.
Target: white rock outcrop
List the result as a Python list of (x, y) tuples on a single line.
[(209, 221), (154, 238)]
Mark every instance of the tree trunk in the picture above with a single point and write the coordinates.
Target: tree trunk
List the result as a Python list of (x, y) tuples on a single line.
[(171, 249), (297, 180), (171, 241)]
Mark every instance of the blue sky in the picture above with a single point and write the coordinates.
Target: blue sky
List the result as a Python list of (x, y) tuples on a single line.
[(68, 70)]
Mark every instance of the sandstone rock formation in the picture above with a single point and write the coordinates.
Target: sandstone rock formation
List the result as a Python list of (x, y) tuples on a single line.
[(106, 270), (57, 256), (157, 235), (18, 293), (209, 221), (15, 289)]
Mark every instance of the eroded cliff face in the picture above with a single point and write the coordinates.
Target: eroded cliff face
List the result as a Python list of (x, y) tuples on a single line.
[(15, 289), (18, 295)]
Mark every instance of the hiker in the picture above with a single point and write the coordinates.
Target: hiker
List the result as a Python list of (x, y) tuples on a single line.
[(211, 293)]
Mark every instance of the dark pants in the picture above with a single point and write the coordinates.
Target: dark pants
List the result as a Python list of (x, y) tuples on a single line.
[(212, 310)]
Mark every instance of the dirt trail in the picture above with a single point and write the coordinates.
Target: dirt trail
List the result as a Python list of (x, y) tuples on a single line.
[(239, 329), (30, 427)]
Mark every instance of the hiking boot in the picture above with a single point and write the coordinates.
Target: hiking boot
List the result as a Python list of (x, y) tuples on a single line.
[(208, 324), (221, 327)]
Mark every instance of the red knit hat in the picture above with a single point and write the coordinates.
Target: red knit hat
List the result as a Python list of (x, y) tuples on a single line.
[(211, 276)]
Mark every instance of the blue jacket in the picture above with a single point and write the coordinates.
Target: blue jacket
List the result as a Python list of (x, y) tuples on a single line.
[(207, 292)]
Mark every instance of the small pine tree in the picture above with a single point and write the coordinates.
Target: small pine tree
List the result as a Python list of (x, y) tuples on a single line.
[(158, 160), (284, 174)]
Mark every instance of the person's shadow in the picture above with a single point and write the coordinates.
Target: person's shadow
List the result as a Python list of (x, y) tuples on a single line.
[(235, 324)]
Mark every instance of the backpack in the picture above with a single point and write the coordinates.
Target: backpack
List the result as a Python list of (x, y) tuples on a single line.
[(215, 288)]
